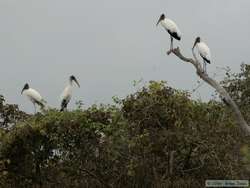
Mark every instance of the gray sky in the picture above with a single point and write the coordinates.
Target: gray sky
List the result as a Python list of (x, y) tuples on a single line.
[(108, 44)]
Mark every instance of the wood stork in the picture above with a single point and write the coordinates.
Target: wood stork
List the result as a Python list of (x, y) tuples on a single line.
[(204, 52), (67, 92), (33, 96), (171, 27)]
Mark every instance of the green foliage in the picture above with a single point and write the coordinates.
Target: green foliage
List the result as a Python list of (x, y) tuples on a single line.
[(61, 148), (156, 137), (238, 85), (10, 114)]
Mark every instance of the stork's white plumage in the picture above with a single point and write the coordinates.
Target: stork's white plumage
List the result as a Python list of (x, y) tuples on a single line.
[(171, 27), (204, 51), (67, 92), (33, 96)]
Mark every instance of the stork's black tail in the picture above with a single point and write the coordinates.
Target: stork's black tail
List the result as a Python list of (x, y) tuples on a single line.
[(41, 104), (207, 60), (63, 105)]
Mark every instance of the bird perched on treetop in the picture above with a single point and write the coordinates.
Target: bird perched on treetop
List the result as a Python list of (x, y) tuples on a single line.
[(33, 96), (67, 92)]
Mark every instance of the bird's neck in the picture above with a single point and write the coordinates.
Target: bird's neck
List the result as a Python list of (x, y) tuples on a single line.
[(70, 84), (163, 22)]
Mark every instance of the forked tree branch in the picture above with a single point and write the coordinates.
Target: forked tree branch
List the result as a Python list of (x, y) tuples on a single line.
[(213, 83)]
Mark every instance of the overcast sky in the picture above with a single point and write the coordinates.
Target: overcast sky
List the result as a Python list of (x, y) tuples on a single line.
[(108, 44)]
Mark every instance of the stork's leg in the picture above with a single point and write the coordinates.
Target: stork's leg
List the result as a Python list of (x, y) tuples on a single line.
[(34, 108), (172, 43), (204, 67)]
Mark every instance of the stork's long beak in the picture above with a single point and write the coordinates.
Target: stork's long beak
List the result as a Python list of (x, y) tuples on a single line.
[(158, 21), (22, 91), (194, 44), (75, 80)]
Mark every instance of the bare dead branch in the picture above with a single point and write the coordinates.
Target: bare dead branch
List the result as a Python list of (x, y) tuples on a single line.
[(171, 162), (213, 83), (195, 168)]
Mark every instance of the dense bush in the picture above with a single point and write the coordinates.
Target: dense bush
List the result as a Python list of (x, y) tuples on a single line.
[(238, 85), (156, 137), (164, 122)]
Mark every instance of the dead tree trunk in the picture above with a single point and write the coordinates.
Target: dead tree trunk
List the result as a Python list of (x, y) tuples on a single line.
[(223, 93)]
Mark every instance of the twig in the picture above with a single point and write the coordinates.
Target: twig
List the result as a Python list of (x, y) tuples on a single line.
[(100, 180), (195, 168)]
